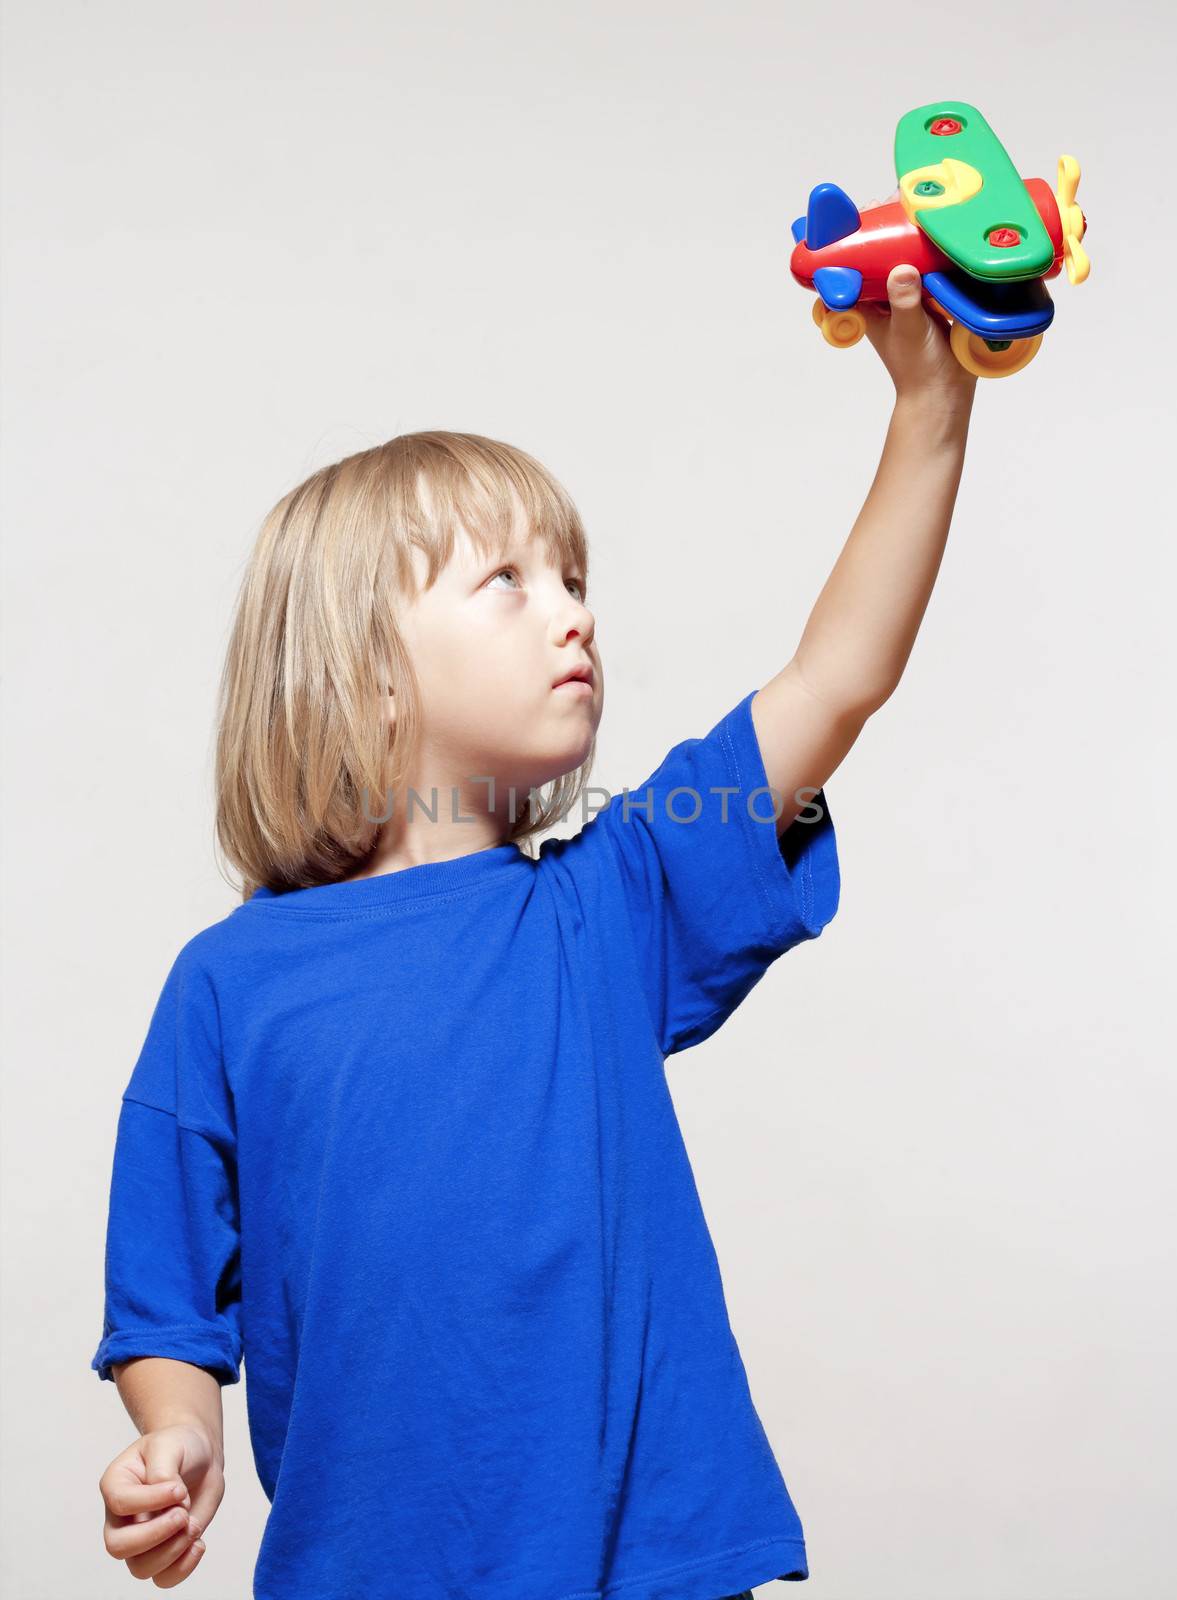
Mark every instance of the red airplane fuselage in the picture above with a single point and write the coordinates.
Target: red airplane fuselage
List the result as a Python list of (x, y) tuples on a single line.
[(886, 237)]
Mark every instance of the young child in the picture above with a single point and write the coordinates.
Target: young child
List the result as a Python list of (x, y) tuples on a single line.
[(400, 1132)]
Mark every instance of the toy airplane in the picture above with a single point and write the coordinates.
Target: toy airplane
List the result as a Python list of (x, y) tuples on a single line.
[(983, 238)]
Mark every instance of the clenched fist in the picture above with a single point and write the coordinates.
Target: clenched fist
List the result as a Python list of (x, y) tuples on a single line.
[(160, 1494)]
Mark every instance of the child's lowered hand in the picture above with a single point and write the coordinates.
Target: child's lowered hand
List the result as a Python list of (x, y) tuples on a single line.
[(160, 1494), (913, 344)]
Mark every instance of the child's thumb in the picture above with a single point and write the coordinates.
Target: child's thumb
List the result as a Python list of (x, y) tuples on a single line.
[(903, 290), (162, 1461)]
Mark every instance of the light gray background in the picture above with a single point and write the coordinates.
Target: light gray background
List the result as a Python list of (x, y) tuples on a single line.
[(935, 1145)]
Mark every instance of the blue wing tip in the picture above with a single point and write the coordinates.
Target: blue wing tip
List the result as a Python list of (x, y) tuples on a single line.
[(839, 287)]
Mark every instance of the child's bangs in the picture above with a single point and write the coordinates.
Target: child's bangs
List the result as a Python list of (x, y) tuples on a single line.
[(479, 485)]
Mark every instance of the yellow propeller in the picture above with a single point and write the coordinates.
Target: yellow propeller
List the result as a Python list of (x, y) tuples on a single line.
[(1073, 221)]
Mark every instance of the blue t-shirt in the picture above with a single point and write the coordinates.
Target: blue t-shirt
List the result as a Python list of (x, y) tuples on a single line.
[(406, 1144)]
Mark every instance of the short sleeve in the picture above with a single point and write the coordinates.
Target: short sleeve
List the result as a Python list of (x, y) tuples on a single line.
[(172, 1268), (713, 895)]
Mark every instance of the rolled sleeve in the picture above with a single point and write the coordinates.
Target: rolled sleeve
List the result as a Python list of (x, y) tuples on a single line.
[(173, 1244), (712, 893), (172, 1248)]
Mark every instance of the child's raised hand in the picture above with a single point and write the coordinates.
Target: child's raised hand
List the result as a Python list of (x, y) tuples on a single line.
[(914, 348), (149, 1525), (912, 343)]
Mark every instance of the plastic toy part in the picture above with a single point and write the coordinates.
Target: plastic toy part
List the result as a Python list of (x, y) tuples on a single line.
[(839, 328), (830, 217), (992, 310), (991, 358), (838, 286), (948, 183), (983, 192), (1074, 223), (983, 239)]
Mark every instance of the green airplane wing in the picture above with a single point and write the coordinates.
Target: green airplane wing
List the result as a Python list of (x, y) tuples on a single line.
[(961, 227)]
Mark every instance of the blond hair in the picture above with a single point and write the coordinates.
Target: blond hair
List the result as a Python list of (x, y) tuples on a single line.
[(301, 726)]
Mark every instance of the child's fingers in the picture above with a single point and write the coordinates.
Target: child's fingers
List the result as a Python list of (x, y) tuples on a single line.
[(208, 1490), (125, 1494), (180, 1568), (135, 1536), (147, 1563), (157, 1562)]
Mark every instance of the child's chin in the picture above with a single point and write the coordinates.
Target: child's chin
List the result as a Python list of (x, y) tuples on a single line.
[(563, 755)]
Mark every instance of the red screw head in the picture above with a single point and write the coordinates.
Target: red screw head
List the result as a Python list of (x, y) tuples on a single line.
[(1004, 238), (945, 125)]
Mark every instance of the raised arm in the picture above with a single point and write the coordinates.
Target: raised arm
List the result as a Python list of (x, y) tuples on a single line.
[(860, 633)]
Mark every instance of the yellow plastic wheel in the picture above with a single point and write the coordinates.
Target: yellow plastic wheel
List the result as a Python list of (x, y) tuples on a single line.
[(839, 328), (976, 357)]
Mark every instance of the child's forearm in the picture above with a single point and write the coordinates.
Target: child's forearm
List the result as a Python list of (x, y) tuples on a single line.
[(860, 632), (159, 1393)]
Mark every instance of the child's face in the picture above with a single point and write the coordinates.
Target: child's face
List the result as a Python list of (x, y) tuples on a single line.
[(489, 641)]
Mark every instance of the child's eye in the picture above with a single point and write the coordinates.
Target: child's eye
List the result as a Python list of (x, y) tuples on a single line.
[(576, 582)]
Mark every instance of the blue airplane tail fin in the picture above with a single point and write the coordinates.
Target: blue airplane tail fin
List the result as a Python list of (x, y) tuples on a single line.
[(831, 216)]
